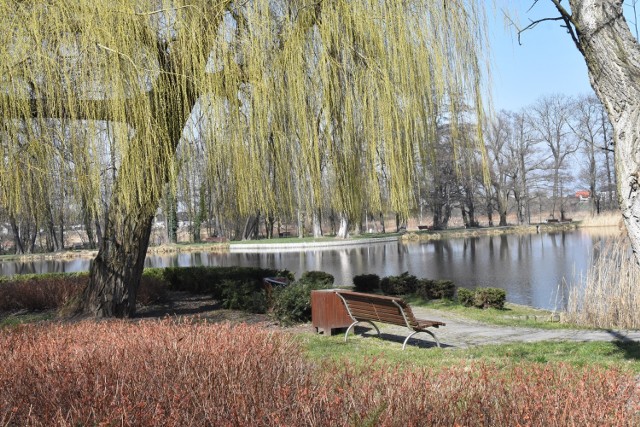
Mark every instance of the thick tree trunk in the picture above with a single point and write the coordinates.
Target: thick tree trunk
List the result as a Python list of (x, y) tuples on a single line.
[(17, 243), (612, 56), (117, 269), (251, 227), (343, 231), (317, 223)]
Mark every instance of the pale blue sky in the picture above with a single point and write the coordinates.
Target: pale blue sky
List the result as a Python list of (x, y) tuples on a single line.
[(546, 63)]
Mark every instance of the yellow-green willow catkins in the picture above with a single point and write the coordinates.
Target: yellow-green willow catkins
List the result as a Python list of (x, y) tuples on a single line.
[(302, 102)]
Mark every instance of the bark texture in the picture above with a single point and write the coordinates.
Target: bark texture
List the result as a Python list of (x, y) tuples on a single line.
[(612, 56), (117, 269)]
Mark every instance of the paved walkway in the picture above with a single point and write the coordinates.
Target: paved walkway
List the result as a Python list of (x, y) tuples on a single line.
[(464, 333)]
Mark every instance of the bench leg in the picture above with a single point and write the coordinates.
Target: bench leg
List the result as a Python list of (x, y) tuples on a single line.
[(354, 324), (406, 340)]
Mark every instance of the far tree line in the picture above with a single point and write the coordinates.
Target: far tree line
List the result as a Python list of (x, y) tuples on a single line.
[(538, 158)]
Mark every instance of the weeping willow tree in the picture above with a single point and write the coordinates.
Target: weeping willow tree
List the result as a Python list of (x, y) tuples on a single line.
[(291, 96)]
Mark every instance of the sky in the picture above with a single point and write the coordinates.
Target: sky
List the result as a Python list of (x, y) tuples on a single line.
[(547, 62)]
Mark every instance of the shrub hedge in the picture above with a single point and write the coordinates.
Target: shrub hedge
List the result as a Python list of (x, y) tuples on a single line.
[(367, 283), (210, 280), (435, 289), (403, 284), (482, 297), (236, 287), (317, 277)]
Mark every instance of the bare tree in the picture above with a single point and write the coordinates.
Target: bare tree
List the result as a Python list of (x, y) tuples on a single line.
[(527, 160), (501, 165), (549, 118), (589, 131), (602, 35)]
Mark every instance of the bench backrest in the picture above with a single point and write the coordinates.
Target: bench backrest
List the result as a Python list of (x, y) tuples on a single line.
[(379, 308)]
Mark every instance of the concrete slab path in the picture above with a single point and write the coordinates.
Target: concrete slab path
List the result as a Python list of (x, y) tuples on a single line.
[(465, 333)]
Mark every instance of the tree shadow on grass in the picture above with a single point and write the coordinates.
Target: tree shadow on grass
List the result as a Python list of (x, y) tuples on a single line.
[(629, 347)]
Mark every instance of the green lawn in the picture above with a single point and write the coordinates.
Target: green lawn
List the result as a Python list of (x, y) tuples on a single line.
[(511, 315), (369, 349)]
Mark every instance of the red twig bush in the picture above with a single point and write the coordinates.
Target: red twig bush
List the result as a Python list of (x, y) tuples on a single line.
[(54, 291), (155, 373)]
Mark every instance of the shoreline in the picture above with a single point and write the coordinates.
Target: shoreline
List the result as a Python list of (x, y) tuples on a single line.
[(236, 247)]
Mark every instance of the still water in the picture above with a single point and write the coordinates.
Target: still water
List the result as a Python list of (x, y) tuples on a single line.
[(532, 268)]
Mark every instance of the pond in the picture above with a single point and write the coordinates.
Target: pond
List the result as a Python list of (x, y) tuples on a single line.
[(532, 268)]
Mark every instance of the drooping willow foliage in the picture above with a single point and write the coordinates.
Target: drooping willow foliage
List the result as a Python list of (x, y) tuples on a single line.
[(283, 102)]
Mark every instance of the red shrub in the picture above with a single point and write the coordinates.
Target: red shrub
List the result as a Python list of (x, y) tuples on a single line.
[(165, 373), (42, 293), (55, 291)]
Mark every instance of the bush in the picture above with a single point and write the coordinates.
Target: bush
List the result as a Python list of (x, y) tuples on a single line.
[(368, 283), (319, 278), (209, 280), (435, 289), (489, 298), (246, 296), (292, 303), (399, 285), (443, 289), (173, 373), (465, 297), (54, 291), (40, 292)]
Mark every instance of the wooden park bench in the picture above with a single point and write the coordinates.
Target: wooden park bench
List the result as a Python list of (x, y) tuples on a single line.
[(392, 310)]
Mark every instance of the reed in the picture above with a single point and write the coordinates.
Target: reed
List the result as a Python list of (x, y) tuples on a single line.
[(605, 219), (610, 297)]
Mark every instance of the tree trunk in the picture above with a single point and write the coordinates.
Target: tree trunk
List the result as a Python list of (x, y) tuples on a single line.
[(612, 56), (117, 269), (317, 223), (343, 231), (251, 227)]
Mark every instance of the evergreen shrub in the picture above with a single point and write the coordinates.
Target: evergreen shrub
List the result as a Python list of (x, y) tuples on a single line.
[(489, 298), (367, 283), (246, 296), (209, 280), (319, 278), (291, 304), (435, 289), (465, 297), (403, 284)]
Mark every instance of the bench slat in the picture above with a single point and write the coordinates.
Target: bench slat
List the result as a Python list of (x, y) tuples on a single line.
[(385, 309), (396, 320), (373, 307)]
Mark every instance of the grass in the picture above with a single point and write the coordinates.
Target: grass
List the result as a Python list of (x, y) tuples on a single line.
[(22, 318), (286, 240), (511, 315), (362, 351)]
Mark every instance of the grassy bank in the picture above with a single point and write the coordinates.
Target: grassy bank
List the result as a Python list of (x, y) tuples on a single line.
[(511, 315), (361, 351)]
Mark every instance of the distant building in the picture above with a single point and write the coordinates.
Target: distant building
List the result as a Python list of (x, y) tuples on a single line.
[(583, 195)]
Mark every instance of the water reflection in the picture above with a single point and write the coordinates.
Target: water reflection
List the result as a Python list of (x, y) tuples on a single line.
[(530, 267)]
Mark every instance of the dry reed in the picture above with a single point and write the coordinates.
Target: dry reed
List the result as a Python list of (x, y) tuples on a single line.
[(610, 296), (605, 219)]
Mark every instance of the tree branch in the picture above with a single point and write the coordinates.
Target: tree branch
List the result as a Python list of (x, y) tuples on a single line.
[(565, 16)]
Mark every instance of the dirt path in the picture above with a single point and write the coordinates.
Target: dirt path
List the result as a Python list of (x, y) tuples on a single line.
[(459, 332), (464, 333)]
